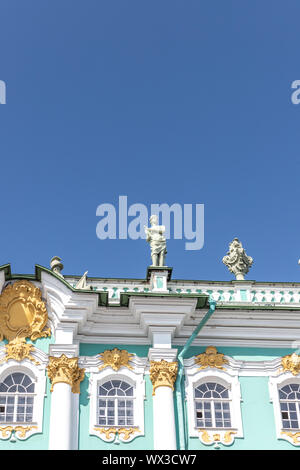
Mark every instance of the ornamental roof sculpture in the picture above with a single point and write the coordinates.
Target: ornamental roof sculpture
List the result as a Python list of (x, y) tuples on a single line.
[(237, 260), (56, 265), (155, 236)]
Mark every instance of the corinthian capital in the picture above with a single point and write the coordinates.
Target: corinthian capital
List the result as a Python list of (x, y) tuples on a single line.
[(163, 374), (237, 261), (66, 370)]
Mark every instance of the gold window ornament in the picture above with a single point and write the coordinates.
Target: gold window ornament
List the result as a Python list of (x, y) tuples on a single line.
[(115, 358), (211, 358), (291, 363)]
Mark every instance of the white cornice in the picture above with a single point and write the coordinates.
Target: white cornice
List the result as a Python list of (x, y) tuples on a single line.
[(76, 315)]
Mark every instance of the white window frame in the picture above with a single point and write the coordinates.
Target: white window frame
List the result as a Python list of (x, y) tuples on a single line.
[(133, 378), (275, 384), (38, 377), (227, 378)]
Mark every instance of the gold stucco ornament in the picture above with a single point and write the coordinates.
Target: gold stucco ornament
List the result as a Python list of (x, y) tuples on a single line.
[(124, 433), (65, 369), (163, 374), (294, 436), (291, 363), (115, 358), (211, 358), (211, 437), (19, 431), (18, 349), (23, 313)]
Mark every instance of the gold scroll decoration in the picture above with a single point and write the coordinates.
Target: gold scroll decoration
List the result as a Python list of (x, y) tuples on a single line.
[(23, 313), (20, 431), (295, 436), (65, 370), (211, 358), (291, 363), (163, 374), (115, 358), (212, 437), (110, 432)]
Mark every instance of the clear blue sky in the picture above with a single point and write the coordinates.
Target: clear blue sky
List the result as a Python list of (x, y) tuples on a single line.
[(162, 101)]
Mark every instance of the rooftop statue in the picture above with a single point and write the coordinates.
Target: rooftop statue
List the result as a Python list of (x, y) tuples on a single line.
[(237, 261), (56, 265), (155, 236)]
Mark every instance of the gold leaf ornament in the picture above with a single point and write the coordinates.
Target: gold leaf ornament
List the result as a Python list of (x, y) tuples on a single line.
[(115, 358), (163, 374), (65, 370), (291, 363), (211, 358), (18, 349)]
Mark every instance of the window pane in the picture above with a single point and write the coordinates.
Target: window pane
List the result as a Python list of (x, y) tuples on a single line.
[(116, 383), (17, 377), (211, 385), (124, 385), (8, 381)]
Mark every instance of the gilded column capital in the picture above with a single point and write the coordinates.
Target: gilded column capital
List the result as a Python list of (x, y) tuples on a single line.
[(65, 370), (163, 374)]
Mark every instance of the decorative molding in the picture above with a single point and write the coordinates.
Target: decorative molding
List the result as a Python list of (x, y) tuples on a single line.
[(292, 437), (209, 437), (163, 374), (19, 431), (65, 370), (291, 363), (18, 349), (115, 358), (110, 433), (23, 313), (211, 358)]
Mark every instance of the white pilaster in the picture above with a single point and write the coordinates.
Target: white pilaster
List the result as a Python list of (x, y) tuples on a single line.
[(163, 372), (61, 417), (164, 419)]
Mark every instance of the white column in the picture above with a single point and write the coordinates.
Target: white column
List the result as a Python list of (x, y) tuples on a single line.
[(65, 376), (61, 417), (163, 376), (164, 419)]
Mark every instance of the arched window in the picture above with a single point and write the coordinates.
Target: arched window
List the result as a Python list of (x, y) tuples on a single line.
[(115, 403), (16, 398), (289, 400), (212, 406)]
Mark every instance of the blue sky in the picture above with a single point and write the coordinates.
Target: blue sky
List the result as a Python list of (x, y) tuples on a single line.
[(166, 102)]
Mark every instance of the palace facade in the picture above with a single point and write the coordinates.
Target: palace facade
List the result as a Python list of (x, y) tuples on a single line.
[(153, 363)]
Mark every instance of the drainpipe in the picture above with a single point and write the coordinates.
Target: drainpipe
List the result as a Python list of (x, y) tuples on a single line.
[(179, 381)]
